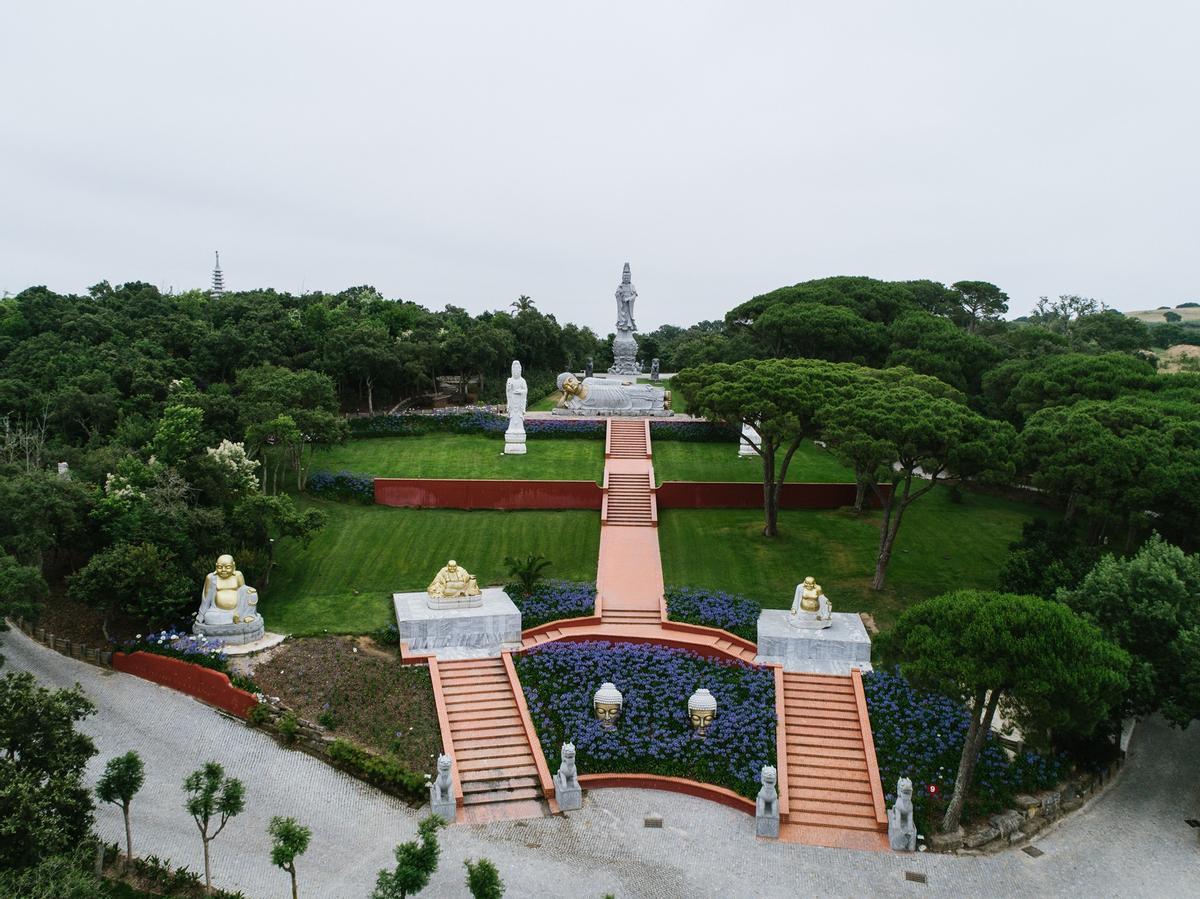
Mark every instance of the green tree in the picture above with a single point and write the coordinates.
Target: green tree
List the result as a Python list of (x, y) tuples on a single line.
[(1150, 606), (179, 434), (980, 301), (522, 303), (483, 880), (22, 590), (1043, 665), (45, 807), (1068, 378), (415, 863), (1172, 317), (67, 876), (289, 839), (212, 799), (123, 776), (780, 398), (138, 579), (815, 331), (901, 433)]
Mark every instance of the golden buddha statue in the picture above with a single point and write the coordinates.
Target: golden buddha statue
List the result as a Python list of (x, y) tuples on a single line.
[(607, 702), (452, 581), (808, 597), (228, 608), (810, 606), (702, 708)]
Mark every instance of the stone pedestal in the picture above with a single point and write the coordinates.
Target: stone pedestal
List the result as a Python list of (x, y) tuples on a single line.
[(745, 449), (624, 354), (832, 650), (231, 634), (514, 438), (458, 632)]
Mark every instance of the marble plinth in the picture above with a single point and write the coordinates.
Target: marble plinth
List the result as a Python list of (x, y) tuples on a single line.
[(493, 625), (266, 641), (231, 634), (832, 650)]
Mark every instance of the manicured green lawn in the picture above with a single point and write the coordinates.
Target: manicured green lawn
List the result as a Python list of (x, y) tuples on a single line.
[(675, 460), (546, 403), (941, 546), (464, 456), (343, 580)]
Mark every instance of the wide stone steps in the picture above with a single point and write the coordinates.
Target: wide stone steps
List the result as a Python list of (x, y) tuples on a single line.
[(628, 499), (829, 786), (488, 740), (627, 439)]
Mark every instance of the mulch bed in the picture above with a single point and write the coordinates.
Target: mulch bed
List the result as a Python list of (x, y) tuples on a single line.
[(374, 700)]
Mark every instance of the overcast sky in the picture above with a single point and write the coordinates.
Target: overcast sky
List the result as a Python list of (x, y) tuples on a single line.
[(455, 153)]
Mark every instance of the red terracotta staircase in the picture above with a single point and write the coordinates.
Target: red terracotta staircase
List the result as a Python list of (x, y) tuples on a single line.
[(628, 500), (627, 439), (489, 740), (832, 780)]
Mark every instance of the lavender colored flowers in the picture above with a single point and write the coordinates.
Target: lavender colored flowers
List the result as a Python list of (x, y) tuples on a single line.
[(181, 645), (553, 600), (653, 734), (342, 485), (714, 608), (920, 735)]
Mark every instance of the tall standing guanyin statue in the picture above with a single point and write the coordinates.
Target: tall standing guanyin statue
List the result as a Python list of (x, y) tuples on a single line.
[(624, 346)]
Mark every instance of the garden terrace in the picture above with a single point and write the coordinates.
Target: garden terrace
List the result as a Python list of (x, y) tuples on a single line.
[(944, 545), (342, 581)]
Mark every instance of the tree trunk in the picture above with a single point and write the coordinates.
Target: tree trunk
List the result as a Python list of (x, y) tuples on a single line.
[(860, 496), (770, 492), (128, 835), (292, 871), (887, 539), (981, 720), (370, 396), (207, 869)]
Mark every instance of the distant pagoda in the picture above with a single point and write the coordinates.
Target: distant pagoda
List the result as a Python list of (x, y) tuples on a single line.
[(218, 280)]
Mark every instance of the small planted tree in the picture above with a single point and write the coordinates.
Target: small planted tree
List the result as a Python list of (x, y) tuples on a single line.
[(123, 776), (483, 880), (415, 863), (527, 572), (1045, 666), (289, 839), (212, 800)]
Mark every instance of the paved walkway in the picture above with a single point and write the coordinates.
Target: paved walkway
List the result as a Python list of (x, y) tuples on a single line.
[(1130, 842)]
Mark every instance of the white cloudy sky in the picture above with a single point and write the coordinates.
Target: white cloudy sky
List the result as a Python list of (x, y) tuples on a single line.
[(467, 153)]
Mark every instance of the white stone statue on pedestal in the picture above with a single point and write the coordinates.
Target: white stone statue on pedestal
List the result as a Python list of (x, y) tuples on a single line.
[(517, 392), (750, 439), (624, 346)]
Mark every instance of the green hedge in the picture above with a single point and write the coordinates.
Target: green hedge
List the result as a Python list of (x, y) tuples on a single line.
[(377, 770)]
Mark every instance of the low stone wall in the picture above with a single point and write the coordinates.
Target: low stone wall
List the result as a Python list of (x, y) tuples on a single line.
[(1031, 814), (205, 684), (309, 737), (95, 655)]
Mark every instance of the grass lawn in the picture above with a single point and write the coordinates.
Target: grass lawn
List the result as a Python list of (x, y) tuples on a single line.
[(941, 546), (343, 580), (473, 456), (675, 460), (547, 403)]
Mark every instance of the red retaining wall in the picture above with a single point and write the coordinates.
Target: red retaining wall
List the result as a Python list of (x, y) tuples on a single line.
[(749, 495), (205, 684), (671, 784), (439, 493), (453, 493)]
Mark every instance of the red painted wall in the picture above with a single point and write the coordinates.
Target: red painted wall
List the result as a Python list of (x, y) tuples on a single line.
[(435, 493), (205, 684), (728, 495)]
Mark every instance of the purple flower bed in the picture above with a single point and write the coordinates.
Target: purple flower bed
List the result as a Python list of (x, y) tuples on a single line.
[(714, 608), (180, 645), (653, 733), (920, 735), (553, 600), (692, 431), (342, 485)]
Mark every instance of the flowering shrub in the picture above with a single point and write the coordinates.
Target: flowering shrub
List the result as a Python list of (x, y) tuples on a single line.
[(714, 608), (920, 735), (653, 734), (552, 600), (692, 431), (359, 488), (234, 459), (181, 645)]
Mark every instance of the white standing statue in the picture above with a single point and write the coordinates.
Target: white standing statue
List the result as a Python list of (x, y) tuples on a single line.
[(750, 439), (517, 392)]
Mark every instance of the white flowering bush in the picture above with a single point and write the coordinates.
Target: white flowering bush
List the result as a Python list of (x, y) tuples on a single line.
[(243, 471), (119, 487)]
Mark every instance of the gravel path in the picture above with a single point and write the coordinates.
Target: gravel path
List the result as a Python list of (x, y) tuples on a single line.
[(1132, 841)]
